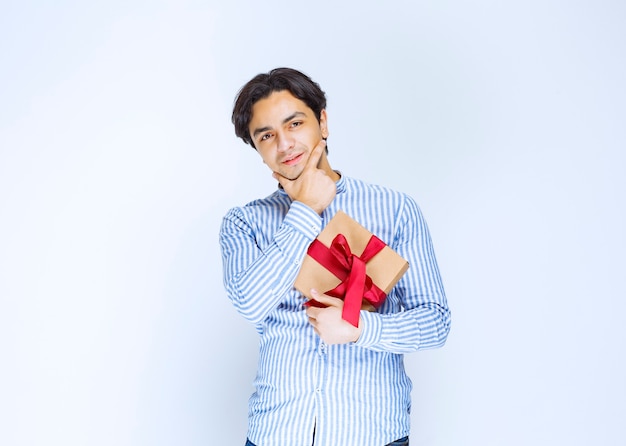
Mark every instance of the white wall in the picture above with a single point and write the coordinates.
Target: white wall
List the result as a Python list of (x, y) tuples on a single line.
[(505, 120)]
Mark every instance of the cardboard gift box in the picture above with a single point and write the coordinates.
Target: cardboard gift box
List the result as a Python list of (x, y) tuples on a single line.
[(348, 261)]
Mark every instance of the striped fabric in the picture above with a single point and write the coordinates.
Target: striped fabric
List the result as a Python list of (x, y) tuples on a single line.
[(352, 394)]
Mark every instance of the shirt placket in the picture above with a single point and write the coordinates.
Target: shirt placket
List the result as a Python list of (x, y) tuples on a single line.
[(320, 390)]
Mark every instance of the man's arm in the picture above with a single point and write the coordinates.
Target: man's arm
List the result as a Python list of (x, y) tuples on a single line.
[(256, 279), (425, 320)]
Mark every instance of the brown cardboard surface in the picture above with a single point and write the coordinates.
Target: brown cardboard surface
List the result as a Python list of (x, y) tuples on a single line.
[(385, 269)]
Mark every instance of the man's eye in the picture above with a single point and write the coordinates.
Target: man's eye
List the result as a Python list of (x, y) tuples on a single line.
[(264, 137), (296, 123)]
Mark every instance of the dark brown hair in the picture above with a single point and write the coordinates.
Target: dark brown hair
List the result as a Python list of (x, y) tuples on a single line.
[(262, 85)]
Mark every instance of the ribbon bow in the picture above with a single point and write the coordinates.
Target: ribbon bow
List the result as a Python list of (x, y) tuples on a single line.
[(355, 284)]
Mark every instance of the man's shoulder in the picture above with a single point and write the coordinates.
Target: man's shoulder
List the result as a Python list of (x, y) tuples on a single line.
[(383, 198), (356, 184), (259, 207)]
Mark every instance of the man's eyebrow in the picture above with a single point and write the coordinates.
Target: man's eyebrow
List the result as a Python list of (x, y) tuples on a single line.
[(293, 115), (260, 130), (285, 121)]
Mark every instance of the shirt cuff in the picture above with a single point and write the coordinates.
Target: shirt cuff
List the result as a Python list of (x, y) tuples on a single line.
[(304, 220), (372, 329)]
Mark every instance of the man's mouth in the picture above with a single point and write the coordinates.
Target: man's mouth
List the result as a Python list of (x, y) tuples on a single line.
[(293, 159)]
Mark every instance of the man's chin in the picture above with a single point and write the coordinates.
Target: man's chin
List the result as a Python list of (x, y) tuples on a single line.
[(291, 176)]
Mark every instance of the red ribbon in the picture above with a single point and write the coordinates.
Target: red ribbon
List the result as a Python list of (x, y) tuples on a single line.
[(355, 284)]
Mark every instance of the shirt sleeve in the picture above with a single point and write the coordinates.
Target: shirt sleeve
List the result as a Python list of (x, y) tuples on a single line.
[(424, 321), (257, 279)]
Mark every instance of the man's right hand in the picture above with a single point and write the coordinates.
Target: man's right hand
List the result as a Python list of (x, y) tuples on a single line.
[(313, 187)]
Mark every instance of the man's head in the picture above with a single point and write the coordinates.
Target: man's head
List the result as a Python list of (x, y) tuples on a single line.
[(263, 85)]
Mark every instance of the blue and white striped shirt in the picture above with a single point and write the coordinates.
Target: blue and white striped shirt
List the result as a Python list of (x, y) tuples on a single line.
[(351, 394)]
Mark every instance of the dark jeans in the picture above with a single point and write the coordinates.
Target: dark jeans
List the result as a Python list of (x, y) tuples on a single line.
[(401, 442)]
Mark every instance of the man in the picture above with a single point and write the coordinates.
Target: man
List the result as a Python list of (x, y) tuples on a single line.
[(321, 380)]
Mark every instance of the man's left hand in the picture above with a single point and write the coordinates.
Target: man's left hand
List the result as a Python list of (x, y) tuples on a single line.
[(328, 323)]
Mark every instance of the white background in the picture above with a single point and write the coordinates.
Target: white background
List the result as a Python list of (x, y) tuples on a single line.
[(504, 120)]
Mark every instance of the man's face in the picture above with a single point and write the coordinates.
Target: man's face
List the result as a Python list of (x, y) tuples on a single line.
[(285, 131)]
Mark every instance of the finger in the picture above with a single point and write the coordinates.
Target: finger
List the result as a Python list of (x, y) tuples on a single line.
[(312, 317), (312, 312), (316, 154), (326, 300), (309, 312)]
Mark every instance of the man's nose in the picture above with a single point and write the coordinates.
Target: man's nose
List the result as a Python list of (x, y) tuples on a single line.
[(285, 142)]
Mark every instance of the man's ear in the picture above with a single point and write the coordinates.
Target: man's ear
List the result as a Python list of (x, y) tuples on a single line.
[(324, 124)]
